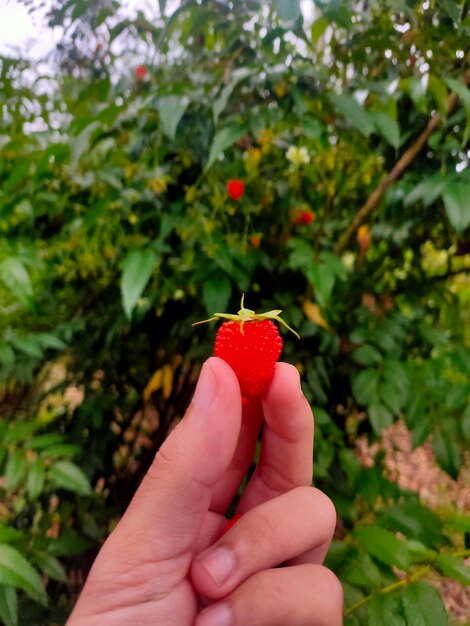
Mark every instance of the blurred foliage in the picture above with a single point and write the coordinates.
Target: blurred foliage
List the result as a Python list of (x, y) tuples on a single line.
[(118, 233)]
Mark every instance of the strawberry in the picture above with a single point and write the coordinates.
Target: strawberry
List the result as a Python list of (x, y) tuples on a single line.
[(251, 345), (235, 188), (140, 72), (303, 217)]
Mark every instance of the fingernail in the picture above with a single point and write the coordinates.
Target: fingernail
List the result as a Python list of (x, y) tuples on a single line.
[(205, 388), (219, 564), (216, 615)]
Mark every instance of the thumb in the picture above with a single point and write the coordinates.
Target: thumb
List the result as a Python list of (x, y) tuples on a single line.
[(169, 507)]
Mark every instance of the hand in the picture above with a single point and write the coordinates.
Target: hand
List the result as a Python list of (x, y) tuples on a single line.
[(167, 557)]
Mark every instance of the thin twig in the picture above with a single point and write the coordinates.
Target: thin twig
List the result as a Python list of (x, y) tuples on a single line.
[(389, 588)]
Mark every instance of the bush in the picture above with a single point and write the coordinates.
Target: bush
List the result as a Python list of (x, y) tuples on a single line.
[(349, 130)]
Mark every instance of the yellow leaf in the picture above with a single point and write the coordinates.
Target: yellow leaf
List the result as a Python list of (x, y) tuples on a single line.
[(167, 382), (312, 311), (154, 384)]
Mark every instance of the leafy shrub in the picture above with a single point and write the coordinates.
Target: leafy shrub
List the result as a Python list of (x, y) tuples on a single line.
[(349, 131)]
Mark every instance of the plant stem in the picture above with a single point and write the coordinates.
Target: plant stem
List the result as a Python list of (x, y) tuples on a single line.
[(400, 583), (411, 578)]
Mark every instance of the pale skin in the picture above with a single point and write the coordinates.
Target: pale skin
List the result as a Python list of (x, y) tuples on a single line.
[(168, 563)]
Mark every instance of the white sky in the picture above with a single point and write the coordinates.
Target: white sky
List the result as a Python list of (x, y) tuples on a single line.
[(22, 31)]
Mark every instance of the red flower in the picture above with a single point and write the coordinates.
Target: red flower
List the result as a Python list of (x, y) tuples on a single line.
[(255, 241), (140, 72), (303, 217), (235, 188)]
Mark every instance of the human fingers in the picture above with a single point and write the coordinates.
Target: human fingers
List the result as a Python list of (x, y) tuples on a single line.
[(166, 513), (286, 458), (226, 488), (303, 595), (301, 520)]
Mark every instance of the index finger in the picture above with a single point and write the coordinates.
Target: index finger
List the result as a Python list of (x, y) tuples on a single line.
[(286, 457)]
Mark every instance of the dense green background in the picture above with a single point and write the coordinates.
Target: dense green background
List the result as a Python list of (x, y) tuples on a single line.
[(117, 233)]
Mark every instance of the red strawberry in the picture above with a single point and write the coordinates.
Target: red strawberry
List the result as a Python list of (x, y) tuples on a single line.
[(252, 356), (235, 188), (140, 72), (251, 345), (303, 217)]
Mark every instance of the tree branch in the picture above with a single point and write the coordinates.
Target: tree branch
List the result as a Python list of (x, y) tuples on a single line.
[(401, 166)]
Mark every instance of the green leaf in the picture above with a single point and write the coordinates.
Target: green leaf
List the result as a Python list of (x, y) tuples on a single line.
[(15, 469), (438, 90), (82, 142), (216, 293), (447, 452), (42, 441), (455, 196), (68, 544), (20, 431), (224, 139), (138, 268), (386, 610), (288, 10), (311, 127), (28, 344), (15, 276), (69, 476), (17, 572), (452, 9), (414, 520), (388, 128), (423, 606), (171, 110), (453, 567), (7, 355), (60, 449), (11, 535), (362, 571), (365, 386), (416, 90), (318, 29), (322, 278), (35, 480), (336, 11), (380, 417), (367, 355), (8, 605), (383, 545), (429, 190), (220, 103), (466, 422), (395, 373), (459, 522), (392, 396), (50, 341), (51, 566), (354, 113), (301, 254), (461, 90)]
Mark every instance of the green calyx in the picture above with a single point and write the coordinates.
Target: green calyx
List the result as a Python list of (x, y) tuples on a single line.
[(247, 315)]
